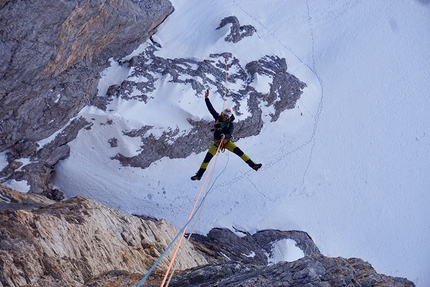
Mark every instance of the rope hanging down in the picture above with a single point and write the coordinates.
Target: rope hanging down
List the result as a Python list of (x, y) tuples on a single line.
[(182, 232), (191, 215), (203, 201), (184, 228), (225, 84), (200, 212)]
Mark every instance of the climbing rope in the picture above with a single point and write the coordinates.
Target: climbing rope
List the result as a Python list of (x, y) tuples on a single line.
[(191, 214), (221, 147), (182, 232), (200, 212), (225, 84), (194, 210)]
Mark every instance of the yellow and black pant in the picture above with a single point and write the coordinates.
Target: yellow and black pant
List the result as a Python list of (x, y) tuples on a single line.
[(229, 145)]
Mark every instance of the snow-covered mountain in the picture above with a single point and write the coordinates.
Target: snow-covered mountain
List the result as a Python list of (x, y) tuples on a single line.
[(349, 163)]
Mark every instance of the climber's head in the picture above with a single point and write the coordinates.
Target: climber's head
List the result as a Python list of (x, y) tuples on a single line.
[(226, 114)]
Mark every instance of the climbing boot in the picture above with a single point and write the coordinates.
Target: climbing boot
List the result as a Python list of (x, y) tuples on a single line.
[(256, 166), (199, 174), (253, 165), (195, 177)]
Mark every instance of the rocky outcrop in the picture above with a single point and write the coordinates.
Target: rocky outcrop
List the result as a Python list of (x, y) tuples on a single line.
[(231, 265), (79, 242), (314, 270), (222, 245), (50, 62), (44, 243), (51, 56), (41, 160)]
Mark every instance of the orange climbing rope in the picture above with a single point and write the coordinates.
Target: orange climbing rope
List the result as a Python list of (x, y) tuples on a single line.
[(191, 214), (212, 164), (225, 84)]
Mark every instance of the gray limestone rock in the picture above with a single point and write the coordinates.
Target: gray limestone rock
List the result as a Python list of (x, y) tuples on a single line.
[(51, 56), (49, 244), (237, 32), (311, 271), (50, 59)]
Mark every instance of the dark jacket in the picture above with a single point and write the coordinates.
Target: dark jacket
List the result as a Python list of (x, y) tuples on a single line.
[(220, 127)]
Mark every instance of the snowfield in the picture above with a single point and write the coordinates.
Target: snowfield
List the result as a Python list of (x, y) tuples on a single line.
[(350, 164)]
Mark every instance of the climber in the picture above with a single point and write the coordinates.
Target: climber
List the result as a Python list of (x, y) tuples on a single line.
[(223, 130)]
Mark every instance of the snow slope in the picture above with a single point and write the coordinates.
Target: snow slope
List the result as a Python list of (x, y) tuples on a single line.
[(349, 165)]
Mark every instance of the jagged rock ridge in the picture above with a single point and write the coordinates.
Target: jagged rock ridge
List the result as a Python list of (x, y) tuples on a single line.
[(80, 242), (314, 270)]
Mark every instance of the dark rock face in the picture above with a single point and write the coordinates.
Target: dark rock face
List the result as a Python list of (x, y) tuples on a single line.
[(51, 54), (231, 267), (50, 62), (314, 270), (221, 245)]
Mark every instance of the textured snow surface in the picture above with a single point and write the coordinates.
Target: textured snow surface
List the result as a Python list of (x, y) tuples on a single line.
[(349, 165)]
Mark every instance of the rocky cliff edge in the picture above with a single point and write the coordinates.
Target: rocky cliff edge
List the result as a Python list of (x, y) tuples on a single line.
[(80, 242)]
